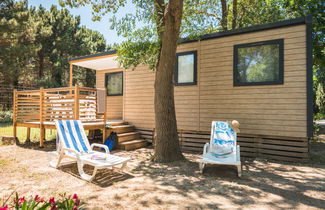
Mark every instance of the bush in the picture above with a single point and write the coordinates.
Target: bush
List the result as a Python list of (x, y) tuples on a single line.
[(64, 202), (5, 117)]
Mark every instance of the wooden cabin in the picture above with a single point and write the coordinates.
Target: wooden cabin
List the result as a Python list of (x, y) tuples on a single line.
[(260, 76)]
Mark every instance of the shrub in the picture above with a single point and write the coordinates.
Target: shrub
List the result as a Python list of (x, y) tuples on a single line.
[(63, 202), (5, 116)]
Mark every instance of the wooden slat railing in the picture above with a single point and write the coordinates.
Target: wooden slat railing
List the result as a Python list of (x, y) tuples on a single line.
[(46, 105)]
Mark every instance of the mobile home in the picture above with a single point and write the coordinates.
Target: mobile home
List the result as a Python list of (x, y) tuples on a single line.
[(260, 76)]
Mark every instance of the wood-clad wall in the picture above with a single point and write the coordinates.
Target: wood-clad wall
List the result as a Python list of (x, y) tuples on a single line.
[(114, 104), (139, 97), (272, 110)]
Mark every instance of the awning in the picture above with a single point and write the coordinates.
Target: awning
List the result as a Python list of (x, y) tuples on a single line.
[(99, 61)]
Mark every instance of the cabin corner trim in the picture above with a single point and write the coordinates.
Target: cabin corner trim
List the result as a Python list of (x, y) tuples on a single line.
[(309, 68)]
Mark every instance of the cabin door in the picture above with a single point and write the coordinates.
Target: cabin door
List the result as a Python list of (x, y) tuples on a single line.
[(114, 95)]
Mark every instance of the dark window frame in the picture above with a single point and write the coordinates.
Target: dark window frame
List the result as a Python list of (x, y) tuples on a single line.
[(194, 69), (280, 80), (106, 78)]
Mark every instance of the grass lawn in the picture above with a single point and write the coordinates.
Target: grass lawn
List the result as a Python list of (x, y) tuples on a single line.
[(6, 129)]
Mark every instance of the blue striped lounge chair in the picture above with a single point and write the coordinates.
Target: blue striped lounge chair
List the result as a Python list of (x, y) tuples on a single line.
[(72, 142), (222, 149)]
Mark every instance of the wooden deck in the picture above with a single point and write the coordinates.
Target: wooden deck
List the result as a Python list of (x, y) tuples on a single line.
[(40, 108)]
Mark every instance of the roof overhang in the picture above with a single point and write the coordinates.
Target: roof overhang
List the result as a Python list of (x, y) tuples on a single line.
[(100, 61)]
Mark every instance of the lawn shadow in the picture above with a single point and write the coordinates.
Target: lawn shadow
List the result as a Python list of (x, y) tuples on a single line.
[(104, 177)]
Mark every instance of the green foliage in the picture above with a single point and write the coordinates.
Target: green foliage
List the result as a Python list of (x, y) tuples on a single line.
[(132, 54), (320, 100), (36, 44), (5, 116), (17, 33), (32, 203)]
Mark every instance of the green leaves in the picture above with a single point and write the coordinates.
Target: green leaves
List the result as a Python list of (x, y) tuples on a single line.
[(133, 54), (36, 44)]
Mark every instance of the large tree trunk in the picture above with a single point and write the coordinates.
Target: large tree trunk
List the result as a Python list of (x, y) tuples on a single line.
[(167, 146)]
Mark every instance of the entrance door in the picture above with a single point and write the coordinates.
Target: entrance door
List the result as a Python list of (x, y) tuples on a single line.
[(114, 100)]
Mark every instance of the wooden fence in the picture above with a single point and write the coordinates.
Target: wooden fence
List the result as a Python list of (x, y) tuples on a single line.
[(6, 95)]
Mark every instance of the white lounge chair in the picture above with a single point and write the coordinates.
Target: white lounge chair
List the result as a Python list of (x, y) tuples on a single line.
[(222, 149), (72, 142)]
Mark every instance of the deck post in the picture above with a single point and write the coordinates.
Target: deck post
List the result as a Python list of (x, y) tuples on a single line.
[(28, 134), (76, 102), (71, 75), (105, 118), (42, 129), (14, 120)]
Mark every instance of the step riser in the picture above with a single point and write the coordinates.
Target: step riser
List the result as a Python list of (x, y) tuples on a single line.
[(117, 123), (121, 130), (128, 137), (133, 146)]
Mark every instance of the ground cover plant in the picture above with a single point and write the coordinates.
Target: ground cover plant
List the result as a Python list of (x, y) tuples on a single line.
[(36, 202)]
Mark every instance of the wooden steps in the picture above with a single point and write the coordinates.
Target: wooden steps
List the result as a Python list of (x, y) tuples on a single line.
[(128, 138), (121, 129), (132, 144), (116, 122)]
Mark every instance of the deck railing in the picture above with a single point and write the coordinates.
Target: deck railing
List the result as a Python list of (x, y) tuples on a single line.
[(46, 105)]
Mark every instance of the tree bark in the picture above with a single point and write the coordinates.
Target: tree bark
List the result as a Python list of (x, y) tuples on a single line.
[(234, 14), (167, 148), (41, 64), (224, 20)]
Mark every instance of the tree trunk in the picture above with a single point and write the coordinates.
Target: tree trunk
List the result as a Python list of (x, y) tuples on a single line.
[(234, 14), (167, 148), (40, 64), (224, 20)]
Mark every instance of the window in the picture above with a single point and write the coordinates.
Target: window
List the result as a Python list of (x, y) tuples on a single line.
[(259, 63), (185, 68), (114, 83)]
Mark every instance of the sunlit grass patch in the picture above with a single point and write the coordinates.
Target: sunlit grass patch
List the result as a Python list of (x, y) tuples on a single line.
[(6, 129)]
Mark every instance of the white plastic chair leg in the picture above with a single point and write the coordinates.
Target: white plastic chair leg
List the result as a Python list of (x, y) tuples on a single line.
[(82, 173), (120, 169), (54, 159), (201, 166), (239, 171)]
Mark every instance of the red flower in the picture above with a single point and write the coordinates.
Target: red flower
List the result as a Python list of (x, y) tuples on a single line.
[(75, 196), (4, 208), (38, 199), (21, 201), (77, 202), (52, 200), (54, 207)]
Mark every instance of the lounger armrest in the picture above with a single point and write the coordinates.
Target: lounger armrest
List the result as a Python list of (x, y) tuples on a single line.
[(206, 148), (70, 150), (101, 146)]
